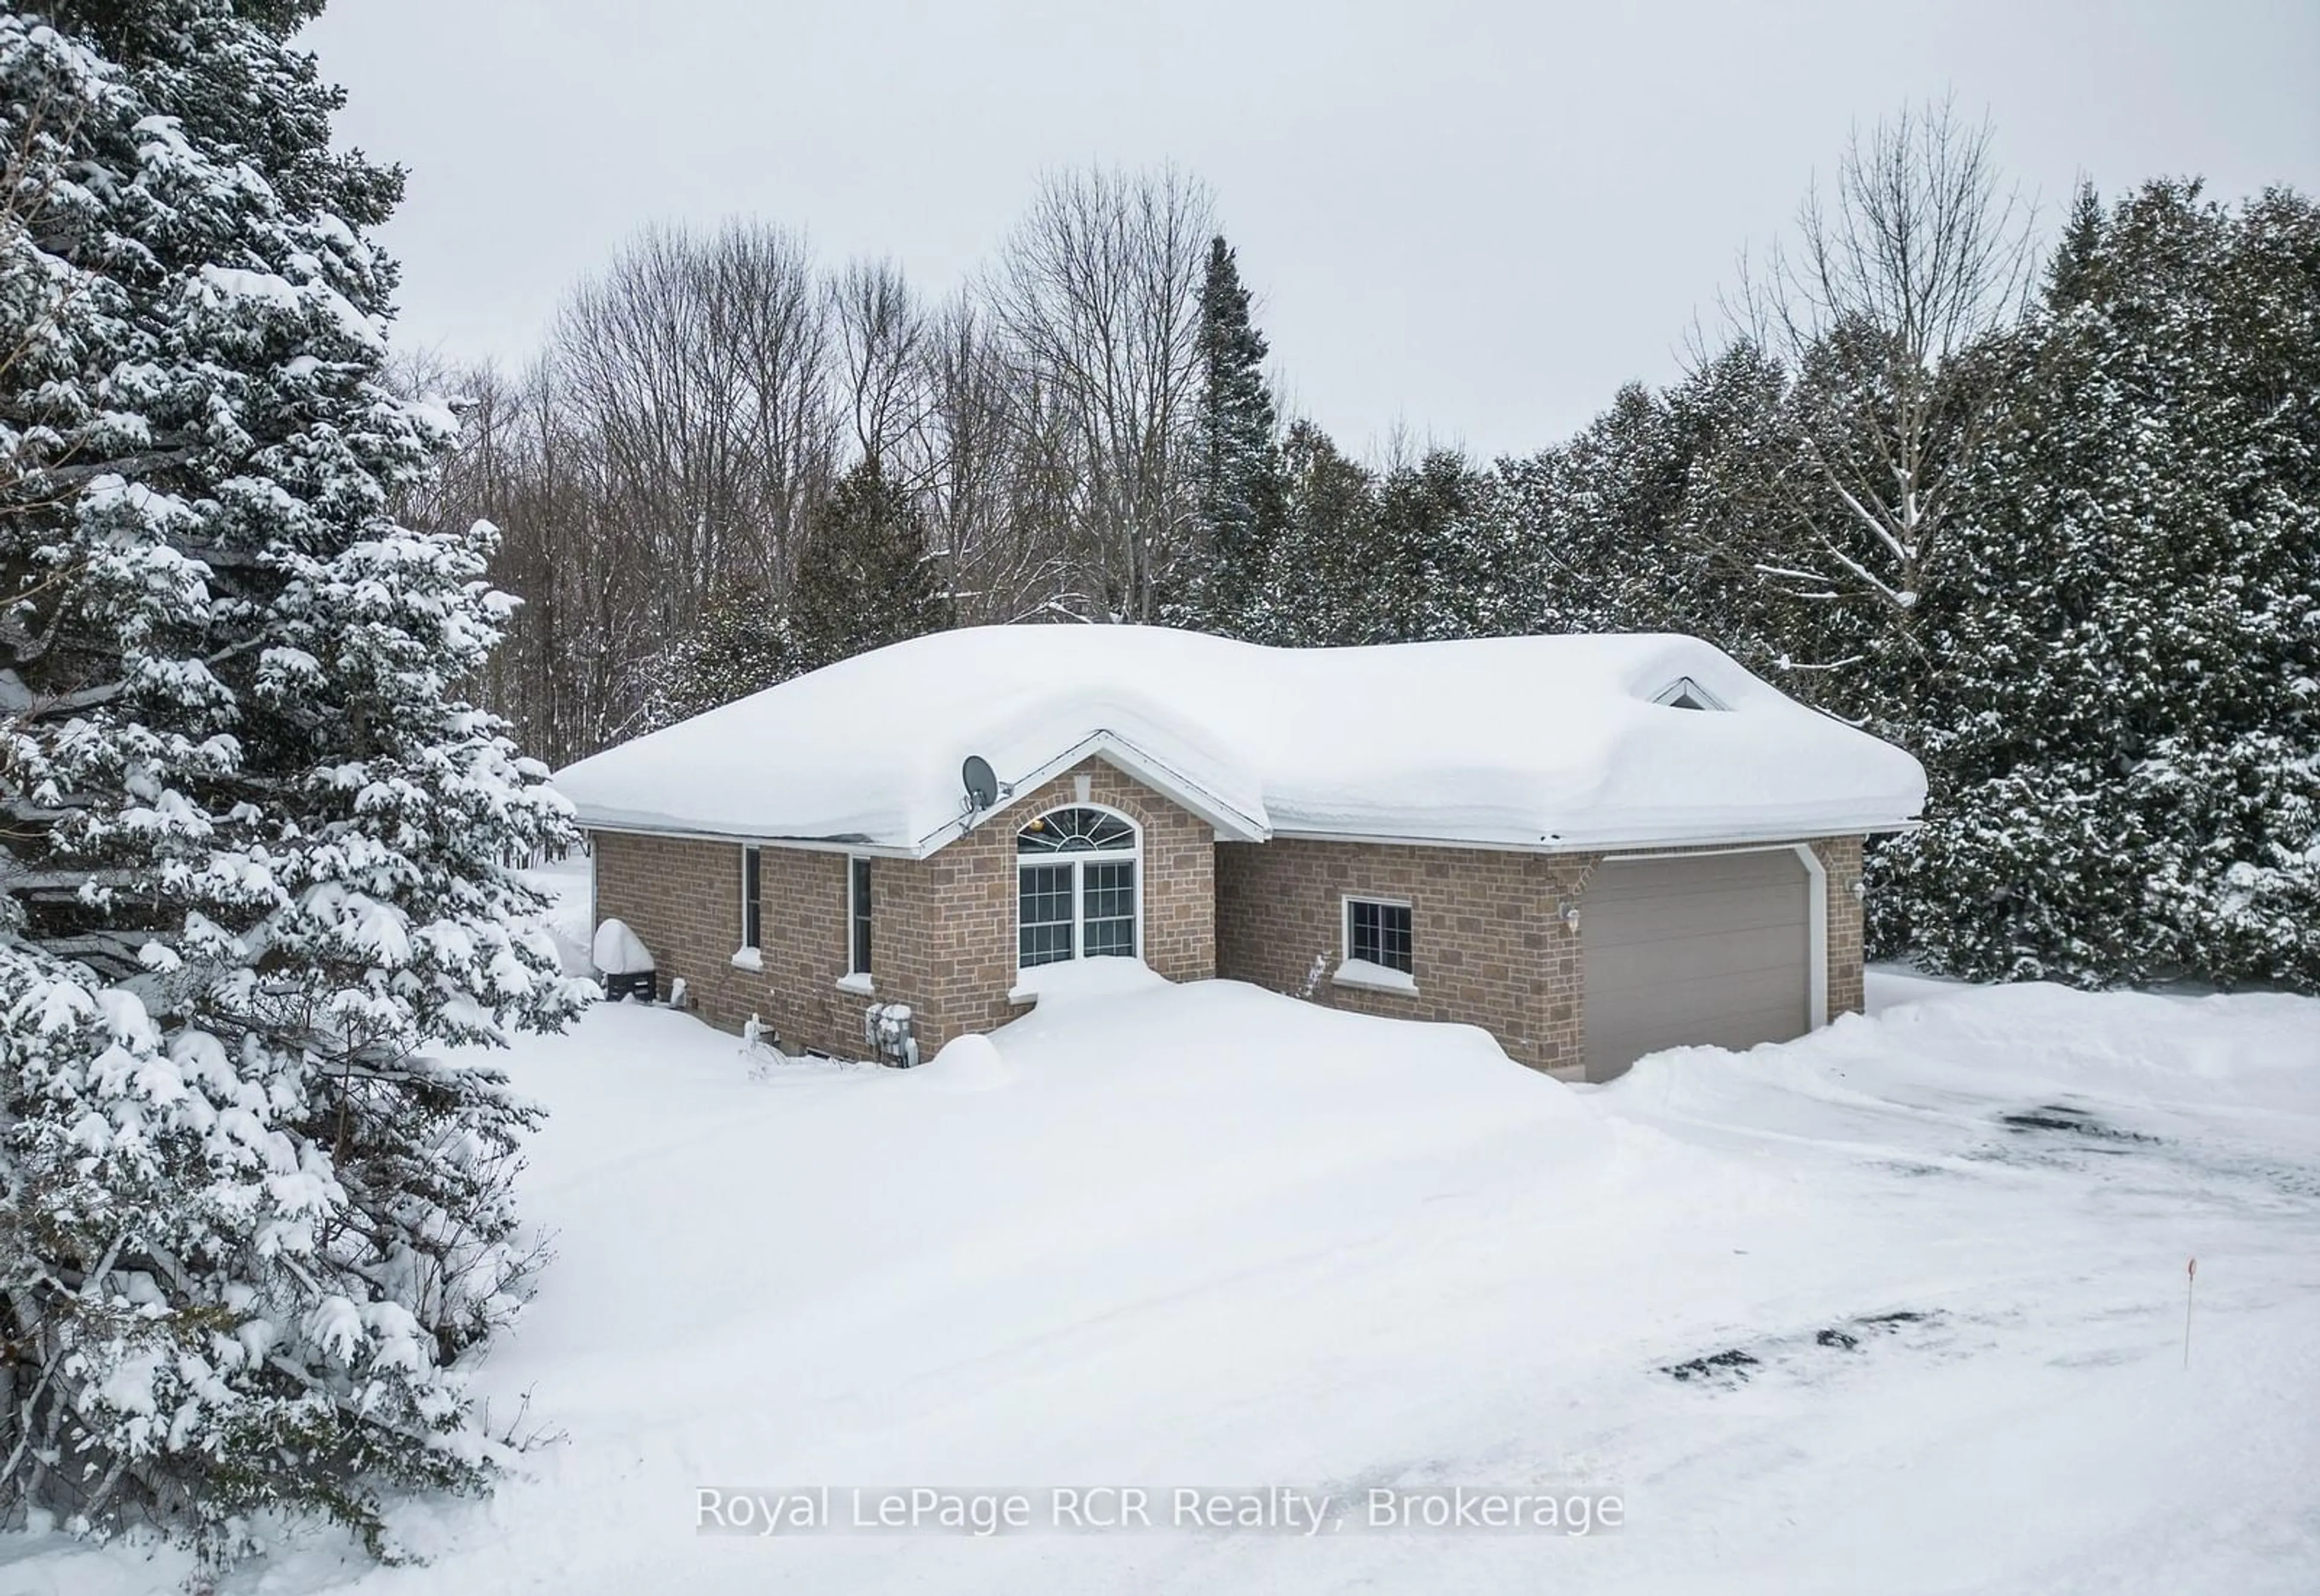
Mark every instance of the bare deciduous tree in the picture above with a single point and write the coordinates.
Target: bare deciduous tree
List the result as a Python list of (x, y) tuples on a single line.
[(700, 396), (881, 333), (1098, 294), (1001, 536), (702, 368), (1883, 311)]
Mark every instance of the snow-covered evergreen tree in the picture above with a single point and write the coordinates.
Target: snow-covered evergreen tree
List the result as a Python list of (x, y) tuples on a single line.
[(1312, 582), (1237, 457), (2124, 728), (743, 645), (1431, 577), (863, 577), (256, 858), (1633, 525)]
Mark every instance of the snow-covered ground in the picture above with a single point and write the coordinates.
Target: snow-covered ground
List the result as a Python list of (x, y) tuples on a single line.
[(1899, 1307)]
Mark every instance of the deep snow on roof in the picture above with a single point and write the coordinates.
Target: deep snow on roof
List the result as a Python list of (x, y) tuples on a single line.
[(1550, 742)]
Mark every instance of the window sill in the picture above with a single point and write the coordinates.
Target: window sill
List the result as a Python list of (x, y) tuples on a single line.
[(859, 984), (1370, 977), (749, 958)]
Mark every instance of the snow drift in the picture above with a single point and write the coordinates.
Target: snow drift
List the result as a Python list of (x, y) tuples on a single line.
[(1898, 1306)]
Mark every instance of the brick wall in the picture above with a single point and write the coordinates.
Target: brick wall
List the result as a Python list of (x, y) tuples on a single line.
[(942, 935), (803, 945), (684, 900), (1488, 944), (1840, 857), (958, 962)]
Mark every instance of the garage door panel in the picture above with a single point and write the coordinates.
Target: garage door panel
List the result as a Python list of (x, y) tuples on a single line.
[(1675, 916), (1630, 969), (1711, 948), (1697, 997), (1683, 1028), (1684, 875), (1749, 950)]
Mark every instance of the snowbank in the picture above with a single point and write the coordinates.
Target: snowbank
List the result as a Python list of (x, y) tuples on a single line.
[(2121, 1058), (1544, 742), (1896, 1307)]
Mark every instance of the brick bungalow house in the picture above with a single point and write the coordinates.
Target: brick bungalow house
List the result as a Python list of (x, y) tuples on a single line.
[(1591, 847)]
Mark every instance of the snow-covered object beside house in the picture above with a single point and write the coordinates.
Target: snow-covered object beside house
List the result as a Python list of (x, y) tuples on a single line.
[(1544, 742), (619, 951)]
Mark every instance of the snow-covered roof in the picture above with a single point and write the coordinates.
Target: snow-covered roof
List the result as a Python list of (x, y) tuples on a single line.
[(1546, 743)]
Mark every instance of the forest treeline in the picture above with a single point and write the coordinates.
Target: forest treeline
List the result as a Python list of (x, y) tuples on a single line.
[(2043, 508)]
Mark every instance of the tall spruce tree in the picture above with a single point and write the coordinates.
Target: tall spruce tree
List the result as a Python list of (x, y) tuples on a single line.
[(1238, 458), (864, 579), (254, 863)]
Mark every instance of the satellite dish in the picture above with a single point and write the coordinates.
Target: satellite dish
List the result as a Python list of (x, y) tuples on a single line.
[(982, 783)]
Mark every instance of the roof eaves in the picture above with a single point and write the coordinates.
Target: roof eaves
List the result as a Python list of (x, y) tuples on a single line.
[(1725, 835), (629, 825)]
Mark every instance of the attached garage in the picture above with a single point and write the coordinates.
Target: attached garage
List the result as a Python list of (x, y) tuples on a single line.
[(1716, 947)]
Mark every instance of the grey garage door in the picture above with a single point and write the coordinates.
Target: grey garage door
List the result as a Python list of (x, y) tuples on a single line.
[(1707, 947)]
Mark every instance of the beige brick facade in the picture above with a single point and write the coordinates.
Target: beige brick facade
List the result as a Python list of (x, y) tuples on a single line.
[(942, 936), (1489, 944), (1840, 859)]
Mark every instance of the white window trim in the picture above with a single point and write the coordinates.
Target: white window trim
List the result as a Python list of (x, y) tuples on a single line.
[(1109, 856), (1687, 684), (856, 980), (859, 984), (741, 943), (1362, 971)]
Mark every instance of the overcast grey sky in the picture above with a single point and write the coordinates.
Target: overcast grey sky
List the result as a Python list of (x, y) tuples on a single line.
[(1471, 220)]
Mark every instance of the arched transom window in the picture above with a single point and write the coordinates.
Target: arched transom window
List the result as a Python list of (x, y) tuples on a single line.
[(1076, 890)]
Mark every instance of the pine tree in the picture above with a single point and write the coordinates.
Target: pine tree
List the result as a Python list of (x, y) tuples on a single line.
[(255, 868), (1732, 431), (1238, 456), (743, 645), (864, 579)]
